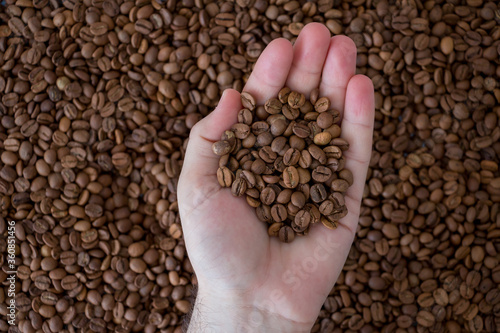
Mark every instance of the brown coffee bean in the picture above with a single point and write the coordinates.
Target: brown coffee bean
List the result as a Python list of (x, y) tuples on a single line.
[(296, 100), (339, 185), (248, 101), (322, 104), (302, 219), (318, 193), (321, 174), (245, 116), (225, 19), (274, 229), (241, 131), (329, 224), (291, 157), (290, 177), (286, 234), (267, 196), (221, 147), (69, 282), (267, 154), (225, 177), (425, 318), (278, 213), (301, 130), (239, 187), (273, 106), (322, 138), (47, 311)]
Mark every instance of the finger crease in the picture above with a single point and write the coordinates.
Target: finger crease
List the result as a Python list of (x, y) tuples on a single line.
[(354, 158), (333, 86), (269, 83), (349, 196), (362, 125), (348, 228), (208, 140), (306, 71)]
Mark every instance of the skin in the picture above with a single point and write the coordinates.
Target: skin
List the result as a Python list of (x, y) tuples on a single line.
[(247, 281)]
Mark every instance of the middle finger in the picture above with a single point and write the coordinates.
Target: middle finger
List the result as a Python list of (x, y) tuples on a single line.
[(309, 54)]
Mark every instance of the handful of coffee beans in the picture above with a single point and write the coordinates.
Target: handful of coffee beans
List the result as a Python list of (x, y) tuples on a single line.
[(286, 157)]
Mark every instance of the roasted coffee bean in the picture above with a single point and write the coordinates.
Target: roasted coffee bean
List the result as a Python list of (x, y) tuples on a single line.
[(274, 229), (245, 116), (239, 187), (221, 147), (273, 106), (286, 234), (225, 177), (340, 185), (321, 174), (267, 196), (248, 101), (291, 157), (322, 139), (302, 219), (290, 177), (278, 213), (318, 193), (241, 131), (296, 100), (325, 120), (322, 104), (301, 130), (329, 224)]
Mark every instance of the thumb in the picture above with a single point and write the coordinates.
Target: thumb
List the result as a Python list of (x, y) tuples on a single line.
[(200, 163)]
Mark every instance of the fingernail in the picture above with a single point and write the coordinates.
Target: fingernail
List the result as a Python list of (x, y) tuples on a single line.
[(224, 93)]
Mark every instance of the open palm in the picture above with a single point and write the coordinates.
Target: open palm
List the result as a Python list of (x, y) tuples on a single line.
[(231, 253)]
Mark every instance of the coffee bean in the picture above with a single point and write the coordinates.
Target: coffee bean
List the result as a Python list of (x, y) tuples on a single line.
[(291, 157), (290, 177), (325, 120), (301, 130), (241, 131), (267, 196), (322, 138), (245, 116), (248, 101), (221, 147), (69, 282), (318, 193), (274, 229), (273, 106), (239, 187), (225, 19), (296, 100), (340, 185), (225, 177), (302, 219), (286, 234), (425, 318), (329, 224), (322, 104)]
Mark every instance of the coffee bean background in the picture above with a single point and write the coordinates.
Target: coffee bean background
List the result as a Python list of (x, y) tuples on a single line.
[(97, 98)]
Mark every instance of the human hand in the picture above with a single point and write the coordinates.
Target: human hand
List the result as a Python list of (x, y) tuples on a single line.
[(248, 281)]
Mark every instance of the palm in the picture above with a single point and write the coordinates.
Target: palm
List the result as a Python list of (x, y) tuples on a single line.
[(228, 246)]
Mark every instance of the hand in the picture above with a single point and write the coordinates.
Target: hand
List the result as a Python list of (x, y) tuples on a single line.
[(248, 281)]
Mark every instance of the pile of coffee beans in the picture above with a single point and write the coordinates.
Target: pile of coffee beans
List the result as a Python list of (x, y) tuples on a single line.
[(97, 98), (286, 157)]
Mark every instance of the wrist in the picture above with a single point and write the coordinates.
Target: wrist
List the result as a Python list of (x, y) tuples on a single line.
[(231, 312)]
